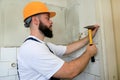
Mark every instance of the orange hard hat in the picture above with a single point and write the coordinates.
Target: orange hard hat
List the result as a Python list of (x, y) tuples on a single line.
[(34, 8)]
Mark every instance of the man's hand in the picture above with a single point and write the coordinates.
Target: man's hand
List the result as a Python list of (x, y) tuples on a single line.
[(92, 50), (95, 30)]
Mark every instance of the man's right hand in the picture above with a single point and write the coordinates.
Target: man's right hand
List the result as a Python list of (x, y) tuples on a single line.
[(91, 50)]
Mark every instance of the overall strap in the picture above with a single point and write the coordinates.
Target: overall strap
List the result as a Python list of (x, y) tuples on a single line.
[(30, 38), (18, 73)]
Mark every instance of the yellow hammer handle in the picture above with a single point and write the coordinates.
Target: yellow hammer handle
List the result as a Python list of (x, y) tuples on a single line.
[(90, 36), (91, 42)]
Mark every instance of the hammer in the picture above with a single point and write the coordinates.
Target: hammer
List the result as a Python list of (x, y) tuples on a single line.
[(90, 28)]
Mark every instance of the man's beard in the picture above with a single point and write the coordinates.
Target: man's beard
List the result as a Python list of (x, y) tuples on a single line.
[(45, 30)]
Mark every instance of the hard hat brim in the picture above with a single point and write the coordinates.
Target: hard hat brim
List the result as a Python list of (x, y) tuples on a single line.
[(52, 14)]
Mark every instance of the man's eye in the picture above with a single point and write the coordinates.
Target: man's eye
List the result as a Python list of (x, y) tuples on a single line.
[(47, 18)]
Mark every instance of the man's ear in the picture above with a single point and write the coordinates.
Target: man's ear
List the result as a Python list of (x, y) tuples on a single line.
[(35, 20)]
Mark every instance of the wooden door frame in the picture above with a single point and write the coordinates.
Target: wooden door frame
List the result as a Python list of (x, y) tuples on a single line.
[(108, 55), (116, 23)]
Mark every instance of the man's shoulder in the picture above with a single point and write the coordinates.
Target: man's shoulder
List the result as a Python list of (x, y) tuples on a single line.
[(30, 45)]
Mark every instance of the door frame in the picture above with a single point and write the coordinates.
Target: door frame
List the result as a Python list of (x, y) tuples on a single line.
[(116, 23), (108, 55)]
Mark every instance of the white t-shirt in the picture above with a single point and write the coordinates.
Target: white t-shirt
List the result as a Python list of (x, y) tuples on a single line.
[(36, 62)]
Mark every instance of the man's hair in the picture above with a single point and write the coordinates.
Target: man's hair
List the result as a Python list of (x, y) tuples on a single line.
[(27, 22), (29, 19)]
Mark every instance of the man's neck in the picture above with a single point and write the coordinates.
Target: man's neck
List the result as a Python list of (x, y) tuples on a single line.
[(37, 34)]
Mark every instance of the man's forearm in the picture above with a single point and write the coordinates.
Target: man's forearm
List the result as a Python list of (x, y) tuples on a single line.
[(80, 63), (74, 67), (76, 45)]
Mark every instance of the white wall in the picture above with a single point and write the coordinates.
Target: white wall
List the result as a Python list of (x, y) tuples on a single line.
[(13, 30), (8, 65)]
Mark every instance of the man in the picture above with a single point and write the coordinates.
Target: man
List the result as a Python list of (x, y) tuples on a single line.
[(38, 60)]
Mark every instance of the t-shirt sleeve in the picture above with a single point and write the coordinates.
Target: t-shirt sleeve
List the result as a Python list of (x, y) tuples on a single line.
[(43, 61), (58, 50)]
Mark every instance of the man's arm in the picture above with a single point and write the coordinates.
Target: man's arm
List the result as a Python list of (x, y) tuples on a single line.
[(80, 43), (76, 66), (76, 45)]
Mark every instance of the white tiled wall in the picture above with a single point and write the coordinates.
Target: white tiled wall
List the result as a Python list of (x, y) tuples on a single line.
[(8, 66), (8, 78), (8, 54), (4, 66), (93, 68)]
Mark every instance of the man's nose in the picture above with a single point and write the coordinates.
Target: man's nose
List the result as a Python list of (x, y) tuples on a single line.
[(51, 22)]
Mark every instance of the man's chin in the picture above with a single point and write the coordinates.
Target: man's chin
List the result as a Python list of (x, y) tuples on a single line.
[(49, 36)]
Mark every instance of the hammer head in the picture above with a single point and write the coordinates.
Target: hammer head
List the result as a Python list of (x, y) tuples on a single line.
[(90, 27)]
